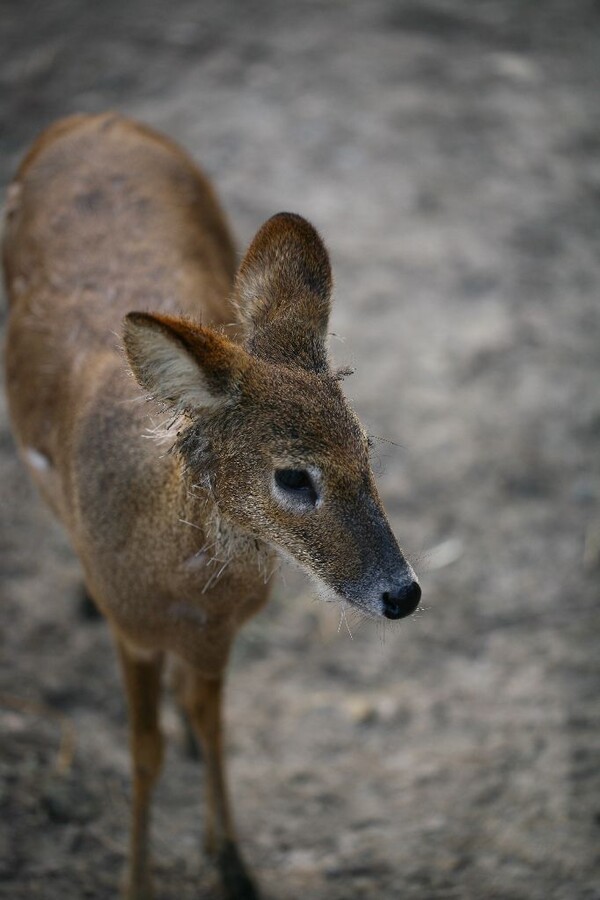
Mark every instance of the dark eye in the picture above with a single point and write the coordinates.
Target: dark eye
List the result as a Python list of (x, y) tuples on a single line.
[(297, 484)]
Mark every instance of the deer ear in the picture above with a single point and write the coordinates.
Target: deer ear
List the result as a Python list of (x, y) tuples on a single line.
[(283, 292), (181, 363)]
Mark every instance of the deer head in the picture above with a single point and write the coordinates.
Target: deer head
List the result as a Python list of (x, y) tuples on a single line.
[(267, 423)]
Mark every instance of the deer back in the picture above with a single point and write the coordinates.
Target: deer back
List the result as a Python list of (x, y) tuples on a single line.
[(103, 216)]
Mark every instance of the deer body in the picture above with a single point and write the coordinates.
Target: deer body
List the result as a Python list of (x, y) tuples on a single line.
[(104, 217), (93, 202)]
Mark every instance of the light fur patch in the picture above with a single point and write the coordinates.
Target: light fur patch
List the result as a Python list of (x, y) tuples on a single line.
[(164, 432), (232, 547), (38, 461)]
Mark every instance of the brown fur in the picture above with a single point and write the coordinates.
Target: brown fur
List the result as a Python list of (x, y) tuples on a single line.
[(106, 216)]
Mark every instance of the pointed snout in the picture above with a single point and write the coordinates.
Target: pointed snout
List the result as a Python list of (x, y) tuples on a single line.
[(387, 585), (401, 602)]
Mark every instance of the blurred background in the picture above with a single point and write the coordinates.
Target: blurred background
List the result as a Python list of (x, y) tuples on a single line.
[(448, 151)]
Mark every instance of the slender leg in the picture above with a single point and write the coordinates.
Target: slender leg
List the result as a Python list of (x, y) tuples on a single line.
[(142, 683), (203, 703), (179, 682)]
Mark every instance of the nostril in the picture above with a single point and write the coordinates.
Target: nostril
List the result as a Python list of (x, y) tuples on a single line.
[(414, 593), (401, 603)]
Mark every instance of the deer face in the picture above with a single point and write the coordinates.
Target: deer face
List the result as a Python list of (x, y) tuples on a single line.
[(286, 457)]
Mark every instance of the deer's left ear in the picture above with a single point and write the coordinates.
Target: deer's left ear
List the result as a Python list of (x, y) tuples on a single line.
[(283, 291)]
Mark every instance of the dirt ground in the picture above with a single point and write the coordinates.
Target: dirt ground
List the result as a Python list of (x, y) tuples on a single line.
[(450, 154)]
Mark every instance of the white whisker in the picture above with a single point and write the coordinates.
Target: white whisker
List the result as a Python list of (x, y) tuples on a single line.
[(344, 620), (191, 524)]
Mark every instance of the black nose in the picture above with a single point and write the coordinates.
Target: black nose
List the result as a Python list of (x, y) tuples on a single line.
[(401, 603)]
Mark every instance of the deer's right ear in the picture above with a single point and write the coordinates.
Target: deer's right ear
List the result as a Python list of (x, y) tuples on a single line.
[(181, 363)]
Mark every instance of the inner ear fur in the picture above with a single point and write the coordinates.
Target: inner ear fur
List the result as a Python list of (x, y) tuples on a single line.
[(181, 363), (283, 292)]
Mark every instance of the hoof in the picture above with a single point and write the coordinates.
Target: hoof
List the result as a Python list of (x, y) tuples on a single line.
[(236, 881), (86, 607)]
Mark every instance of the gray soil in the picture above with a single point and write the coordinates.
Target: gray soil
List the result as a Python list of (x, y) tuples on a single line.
[(449, 153)]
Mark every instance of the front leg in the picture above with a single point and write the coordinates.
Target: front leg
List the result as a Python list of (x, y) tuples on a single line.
[(202, 698), (142, 683)]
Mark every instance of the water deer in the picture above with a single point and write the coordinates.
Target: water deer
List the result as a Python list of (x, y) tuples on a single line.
[(118, 260)]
